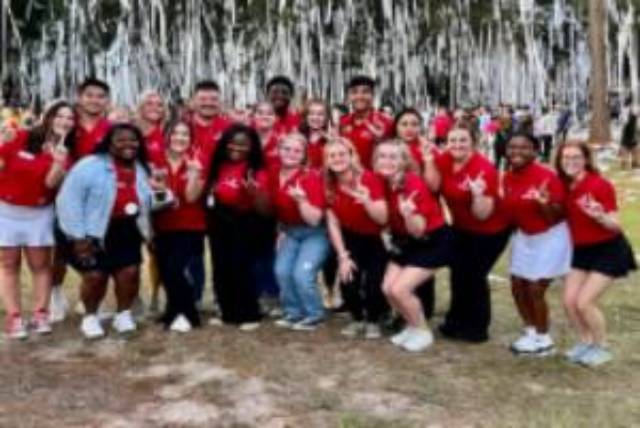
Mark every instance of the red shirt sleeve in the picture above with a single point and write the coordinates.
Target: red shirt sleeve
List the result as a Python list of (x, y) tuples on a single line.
[(605, 193)]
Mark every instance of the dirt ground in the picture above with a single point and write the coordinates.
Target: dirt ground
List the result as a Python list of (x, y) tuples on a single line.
[(221, 377)]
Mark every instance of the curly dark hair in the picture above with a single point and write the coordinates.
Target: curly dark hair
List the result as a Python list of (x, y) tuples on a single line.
[(221, 155), (105, 144)]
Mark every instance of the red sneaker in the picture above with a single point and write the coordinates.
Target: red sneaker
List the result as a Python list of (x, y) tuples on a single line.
[(14, 327)]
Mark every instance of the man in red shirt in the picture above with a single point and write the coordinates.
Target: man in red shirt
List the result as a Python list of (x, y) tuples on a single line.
[(442, 124), (280, 90), (208, 121), (92, 100), (365, 126)]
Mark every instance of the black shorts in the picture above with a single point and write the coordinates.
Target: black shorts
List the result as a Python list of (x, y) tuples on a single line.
[(613, 258), (122, 248), (428, 252)]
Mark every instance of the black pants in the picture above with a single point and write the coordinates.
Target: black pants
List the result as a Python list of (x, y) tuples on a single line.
[(233, 254), (177, 252), (475, 254), (547, 145), (363, 295)]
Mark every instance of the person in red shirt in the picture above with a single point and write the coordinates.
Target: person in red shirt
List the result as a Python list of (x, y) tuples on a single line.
[(264, 119), (235, 179), (420, 241), (32, 166), (442, 124), (315, 126), (280, 91), (92, 102), (365, 126), (469, 184), (208, 122), (601, 251), (298, 202), (151, 116), (179, 229), (541, 248), (356, 215), (408, 127)]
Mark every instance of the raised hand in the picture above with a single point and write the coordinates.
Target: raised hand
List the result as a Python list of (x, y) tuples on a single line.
[(591, 207), (297, 192), (407, 205), (158, 179), (60, 152), (426, 149), (376, 127), (539, 194), (361, 193), (478, 185), (194, 166)]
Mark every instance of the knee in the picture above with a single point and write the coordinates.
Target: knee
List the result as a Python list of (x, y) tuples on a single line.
[(583, 305), (304, 273), (282, 272), (570, 302)]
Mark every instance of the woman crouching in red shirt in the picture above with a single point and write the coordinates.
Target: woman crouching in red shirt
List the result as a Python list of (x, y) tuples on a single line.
[(32, 166), (601, 251), (232, 222), (179, 237), (421, 241), (355, 218), (541, 246)]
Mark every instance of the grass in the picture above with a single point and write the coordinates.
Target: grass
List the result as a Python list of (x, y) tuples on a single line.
[(220, 377)]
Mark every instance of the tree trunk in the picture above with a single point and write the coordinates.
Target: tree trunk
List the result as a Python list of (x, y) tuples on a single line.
[(599, 132)]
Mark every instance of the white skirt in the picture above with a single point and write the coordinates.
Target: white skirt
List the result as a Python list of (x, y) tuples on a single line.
[(26, 226), (545, 255)]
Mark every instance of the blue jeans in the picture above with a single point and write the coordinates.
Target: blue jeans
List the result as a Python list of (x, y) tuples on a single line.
[(298, 261)]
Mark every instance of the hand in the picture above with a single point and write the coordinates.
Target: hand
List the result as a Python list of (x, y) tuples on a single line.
[(426, 149), (158, 179), (297, 192), (361, 194), (251, 184), (376, 127), (83, 249), (407, 206), (194, 167), (346, 269), (539, 194), (60, 153), (478, 185), (591, 207)]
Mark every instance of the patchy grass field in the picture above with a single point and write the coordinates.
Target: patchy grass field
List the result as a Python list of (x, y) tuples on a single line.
[(220, 377)]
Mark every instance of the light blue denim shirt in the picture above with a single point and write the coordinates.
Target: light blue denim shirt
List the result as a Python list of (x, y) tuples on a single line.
[(86, 198)]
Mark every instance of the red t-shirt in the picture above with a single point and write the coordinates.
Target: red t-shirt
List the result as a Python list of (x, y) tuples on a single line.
[(415, 148), (455, 190), (22, 179), (290, 122), (518, 186), (205, 138), (155, 145), (315, 153), (126, 203), (230, 188), (270, 150), (285, 207), (351, 213), (88, 139), (427, 204), (584, 229), (442, 124), (182, 215), (361, 136)]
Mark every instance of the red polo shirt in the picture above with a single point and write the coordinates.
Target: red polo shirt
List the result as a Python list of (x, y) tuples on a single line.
[(230, 188), (584, 229), (286, 208), (22, 179), (155, 144), (455, 190), (518, 187), (361, 136), (86, 140), (288, 123), (205, 137), (351, 213), (183, 215), (126, 194), (427, 205)]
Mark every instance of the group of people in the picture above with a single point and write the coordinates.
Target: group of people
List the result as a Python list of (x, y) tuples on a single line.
[(368, 202)]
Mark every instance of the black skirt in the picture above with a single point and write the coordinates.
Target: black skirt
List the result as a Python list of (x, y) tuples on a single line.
[(613, 258), (429, 252)]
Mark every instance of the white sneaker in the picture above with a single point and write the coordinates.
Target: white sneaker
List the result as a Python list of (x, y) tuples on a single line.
[(58, 305), (545, 345), (180, 324), (215, 322), (526, 342), (123, 322), (353, 329), (285, 322), (419, 340), (249, 326), (399, 338), (91, 327), (372, 331)]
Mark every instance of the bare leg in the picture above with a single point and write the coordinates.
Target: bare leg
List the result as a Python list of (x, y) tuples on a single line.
[(595, 285), (127, 284), (10, 279), (402, 290), (573, 284), (40, 262)]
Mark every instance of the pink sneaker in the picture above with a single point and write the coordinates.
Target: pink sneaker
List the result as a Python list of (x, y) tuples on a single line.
[(41, 321), (14, 327)]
